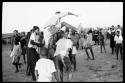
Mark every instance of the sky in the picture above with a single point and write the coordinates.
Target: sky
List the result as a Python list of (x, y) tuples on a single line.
[(24, 15)]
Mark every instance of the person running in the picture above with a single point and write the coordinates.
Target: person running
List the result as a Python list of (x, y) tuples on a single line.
[(86, 46), (53, 25), (102, 43), (45, 70), (118, 40), (16, 50)]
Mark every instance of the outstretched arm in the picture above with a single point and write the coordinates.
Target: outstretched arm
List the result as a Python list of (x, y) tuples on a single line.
[(66, 14)]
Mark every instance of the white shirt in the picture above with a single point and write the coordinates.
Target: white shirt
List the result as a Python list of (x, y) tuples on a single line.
[(62, 46), (32, 37), (109, 31), (55, 20), (45, 69), (89, 39), (118, 39)]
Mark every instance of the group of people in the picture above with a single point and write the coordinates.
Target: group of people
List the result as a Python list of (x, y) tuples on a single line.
[(52, 52), (116, 40)]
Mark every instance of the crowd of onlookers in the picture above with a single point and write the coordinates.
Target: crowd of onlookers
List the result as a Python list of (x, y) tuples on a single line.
[(32, 45)]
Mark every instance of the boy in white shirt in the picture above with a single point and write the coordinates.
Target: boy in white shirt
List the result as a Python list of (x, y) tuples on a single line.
[(118, 40), (45, 68), (61, 55)]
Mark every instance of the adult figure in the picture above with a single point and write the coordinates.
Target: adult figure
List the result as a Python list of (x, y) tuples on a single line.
[(86, 43), (23, 45), (112, 42), (32, 54), (74, 39), (16, 50), (102, 41), (119, 29), (53, 25), (118, 40), (62, 58)]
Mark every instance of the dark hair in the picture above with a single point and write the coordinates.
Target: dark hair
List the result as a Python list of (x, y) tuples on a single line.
[(58, 12), (15, 31), (118, 25), (112, 25), (35, 28), (44, 51)]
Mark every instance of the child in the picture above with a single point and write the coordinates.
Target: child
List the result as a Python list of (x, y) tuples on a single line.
[(45, 68), (119, 41), (101, 40)]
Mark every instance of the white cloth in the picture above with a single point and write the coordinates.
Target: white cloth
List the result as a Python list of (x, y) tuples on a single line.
[(16, 50), (118, 39), (47, 36), (32, 37), (45, 69), (89, 39), (55, 19), (74, 50), (62, 46), (63, 28), (109, 31)]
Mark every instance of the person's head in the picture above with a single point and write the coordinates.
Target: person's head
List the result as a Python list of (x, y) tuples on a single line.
[(118, 32), (85, 36), (118, 26), (113, 27), (100, 33), (66, 34), (15, 32), (73, 33), (58, 12), (23, 33), (36, 29), (44, 52)]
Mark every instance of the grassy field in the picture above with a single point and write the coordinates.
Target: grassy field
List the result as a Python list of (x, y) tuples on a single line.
[(105, 67)]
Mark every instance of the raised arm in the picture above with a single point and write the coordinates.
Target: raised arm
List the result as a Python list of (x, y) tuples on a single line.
[(66, 14)]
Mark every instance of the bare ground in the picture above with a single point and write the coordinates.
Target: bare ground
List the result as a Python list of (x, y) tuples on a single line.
[(105, 67)]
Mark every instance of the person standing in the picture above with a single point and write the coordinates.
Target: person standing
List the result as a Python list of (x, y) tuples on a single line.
[(32, 54), (112, 42), (102, 43), (74, 49), (23, 45), (118, 40), (16, 50)]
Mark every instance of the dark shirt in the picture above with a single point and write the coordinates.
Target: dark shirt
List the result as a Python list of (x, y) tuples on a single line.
[(15, 40), (23, 42), (101, 39)]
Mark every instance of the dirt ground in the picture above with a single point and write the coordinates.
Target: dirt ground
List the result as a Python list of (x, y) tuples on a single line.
[(105, 67)]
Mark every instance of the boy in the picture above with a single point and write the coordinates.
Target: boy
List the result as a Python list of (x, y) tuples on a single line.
[(45, 68), (102, 43), (118, 40)]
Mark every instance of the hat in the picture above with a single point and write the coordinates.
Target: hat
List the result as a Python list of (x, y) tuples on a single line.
[(35, 28)]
